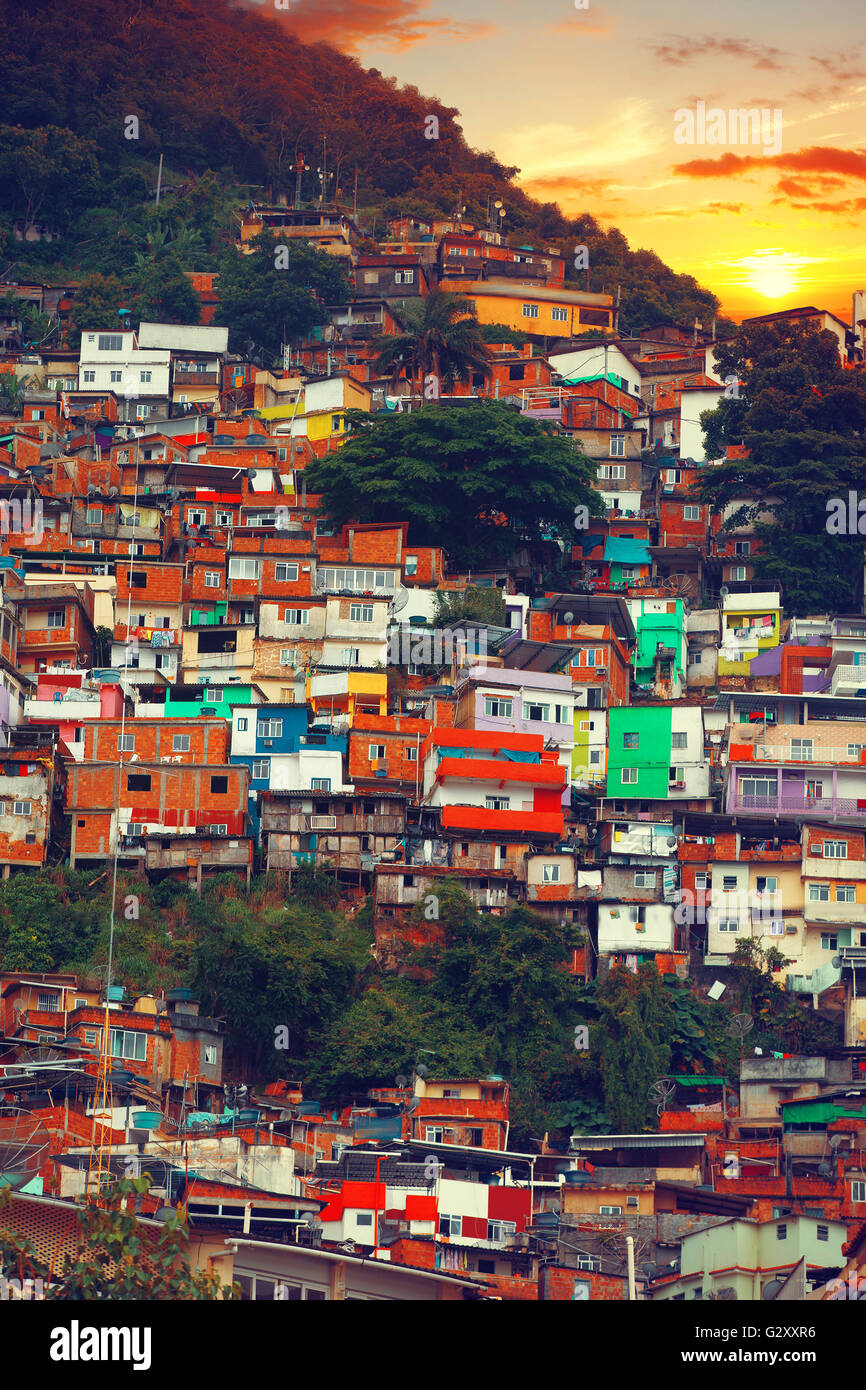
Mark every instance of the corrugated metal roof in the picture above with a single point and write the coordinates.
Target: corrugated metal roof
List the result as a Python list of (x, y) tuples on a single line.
[(667, 1140)]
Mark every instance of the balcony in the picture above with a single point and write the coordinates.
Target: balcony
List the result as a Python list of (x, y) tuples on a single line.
[(848, 680), (196, 379), (523, 823), (821, 755), (791, 804)]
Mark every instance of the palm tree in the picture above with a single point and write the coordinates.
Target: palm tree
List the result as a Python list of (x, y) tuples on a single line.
[(440, 337)]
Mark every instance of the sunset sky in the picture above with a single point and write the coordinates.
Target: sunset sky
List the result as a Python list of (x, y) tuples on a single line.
[(583, 101)]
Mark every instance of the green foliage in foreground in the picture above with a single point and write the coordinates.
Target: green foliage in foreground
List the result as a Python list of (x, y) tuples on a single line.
[(492, 998)]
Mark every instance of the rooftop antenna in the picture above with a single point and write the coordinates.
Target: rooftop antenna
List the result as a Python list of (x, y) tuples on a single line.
[(661, 1091)]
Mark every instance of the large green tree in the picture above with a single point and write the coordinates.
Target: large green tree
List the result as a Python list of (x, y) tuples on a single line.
[(799, 420), (276, 293), (47, 175), (479, 479)]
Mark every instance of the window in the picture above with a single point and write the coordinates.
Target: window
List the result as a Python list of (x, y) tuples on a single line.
[(679, 740), (497, 803), (270, 728), (742, 547), (729, 925), (320, 784), (702, 882), (611, 470), (364, 1218), (592, 1263), (142, 412), (180, 743), (537, 712), (138, 580), (691, 513), (93, 516), (550, 873), (404, 277), (501, 1230), (287, 656), (644, 878), (629, 776), (57, 618), (631, 740), (411, 564), (90, 1036), (360, 612), (530, 311), (285, 574), (617, 446), (450, 1225), (356, 579), (261, 769), (676, 776), (138, 782), (297, 617), (558, 314), (210, 1056), (48, 1003), (729, 883), (758, 786), (819, 892), (835, 849), (767, 885), (738, 573), (845, 893), (146, 376), (243, 725), (376, 751), (115, 377), (223, 519), (610, 1211), (212, 580), (412, 754), (126, 743), (858, 1192), (219, 785), (434, 1134), (110, 342), (89, 378), (496, 707), (242, 567), (801, 749), (128, 1044), (782, 1232)]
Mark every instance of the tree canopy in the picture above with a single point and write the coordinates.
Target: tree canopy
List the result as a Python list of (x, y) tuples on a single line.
[(477, 479), (799, 421), (267, 299)]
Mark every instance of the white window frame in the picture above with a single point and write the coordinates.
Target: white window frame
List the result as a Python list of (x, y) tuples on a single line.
[(628, 776), (550, 873), (691, 512), (261, 769), (617, 446), (361, 612), (286, 577), (212, 579), (180, 743), (244, 567), (300, 617), (833, 846)]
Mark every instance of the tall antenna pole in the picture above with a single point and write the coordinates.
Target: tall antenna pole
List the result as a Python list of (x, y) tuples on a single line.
[(99, 1173)]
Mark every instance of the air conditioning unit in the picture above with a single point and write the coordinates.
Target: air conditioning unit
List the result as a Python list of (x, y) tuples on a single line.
[(268, 742), (323, 822), (632, 1201), (601, 670)]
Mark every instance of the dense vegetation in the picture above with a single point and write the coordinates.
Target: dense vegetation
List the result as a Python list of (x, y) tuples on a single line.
[(493, 997), (801, 416), (479, 481), (230, 99)]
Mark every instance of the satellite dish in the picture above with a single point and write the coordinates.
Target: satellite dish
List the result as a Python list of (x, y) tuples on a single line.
[(671, 842), (661, 1092), (837, 962), (740, 1025), (402, 1081), (421, 1070), (24, 1145), (724, 591), (770, 1290), (412, 1105), (568, 617)]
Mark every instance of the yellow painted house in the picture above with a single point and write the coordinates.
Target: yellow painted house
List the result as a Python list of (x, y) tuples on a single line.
[(314, 410), (537, 309), (751, 624)]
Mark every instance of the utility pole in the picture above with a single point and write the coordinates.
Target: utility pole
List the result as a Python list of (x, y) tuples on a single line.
[(159, 180)]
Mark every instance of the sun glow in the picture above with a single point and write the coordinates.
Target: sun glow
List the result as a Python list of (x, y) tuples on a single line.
[(772, 274)]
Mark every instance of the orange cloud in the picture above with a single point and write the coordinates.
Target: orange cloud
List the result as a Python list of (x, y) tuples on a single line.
[(819, 159), (394, 25)]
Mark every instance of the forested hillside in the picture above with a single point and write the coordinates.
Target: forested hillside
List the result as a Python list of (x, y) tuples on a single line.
[(219, 89)]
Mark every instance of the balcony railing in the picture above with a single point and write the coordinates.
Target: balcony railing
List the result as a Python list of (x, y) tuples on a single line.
[(821, 755), (848, 675), (786, 803)]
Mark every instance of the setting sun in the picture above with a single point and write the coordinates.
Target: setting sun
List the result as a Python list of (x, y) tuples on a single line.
[(772, 274)]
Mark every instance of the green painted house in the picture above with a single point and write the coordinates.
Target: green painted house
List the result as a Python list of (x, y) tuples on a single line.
[(659, 623)]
